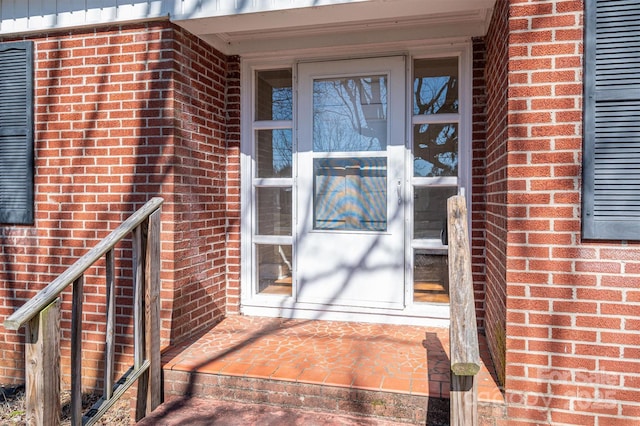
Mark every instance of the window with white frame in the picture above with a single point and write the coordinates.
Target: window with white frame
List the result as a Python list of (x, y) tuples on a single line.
[(272, 138)]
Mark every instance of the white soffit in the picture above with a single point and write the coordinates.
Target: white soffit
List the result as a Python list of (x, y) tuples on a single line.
[(340, 23)]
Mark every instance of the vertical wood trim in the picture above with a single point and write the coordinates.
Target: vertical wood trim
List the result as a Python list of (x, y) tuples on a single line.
[(76, 351), (463, 333), (138, 296), (463, 399), (111, 314), (42, 360), (465, 353), (140, 248), (152, 310)]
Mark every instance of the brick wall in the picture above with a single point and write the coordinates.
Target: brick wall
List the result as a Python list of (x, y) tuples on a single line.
[(478, 173), (573, 306), (123, 114), (496, 185), (233, 185), (199, 160)]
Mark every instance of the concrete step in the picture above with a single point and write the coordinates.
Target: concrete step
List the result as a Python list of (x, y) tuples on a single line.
[(278, 394), (367, 371)]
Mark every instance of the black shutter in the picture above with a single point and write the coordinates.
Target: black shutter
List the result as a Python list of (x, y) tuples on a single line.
[(16, 133), (611, 157)]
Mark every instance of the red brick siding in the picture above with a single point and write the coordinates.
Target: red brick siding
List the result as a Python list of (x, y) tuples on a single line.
[(496, 185), (573, 311), (233, 185), (123, 114), (543, 378), (199, 173), (478, 173)]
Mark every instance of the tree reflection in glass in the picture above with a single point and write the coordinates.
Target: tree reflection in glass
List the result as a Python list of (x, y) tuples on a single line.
[(435, 86), (435, 150), (435, 91), (274, 95), (350, 114)]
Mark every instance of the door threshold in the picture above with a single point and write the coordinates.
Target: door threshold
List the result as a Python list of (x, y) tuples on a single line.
[(438, 315)]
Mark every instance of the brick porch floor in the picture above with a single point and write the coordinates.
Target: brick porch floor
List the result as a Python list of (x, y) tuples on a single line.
[(387, 359)]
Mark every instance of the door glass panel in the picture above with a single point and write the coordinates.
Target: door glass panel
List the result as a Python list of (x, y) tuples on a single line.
[(274, 153), (435, 150), (274, 95), (435, 86), (430, 211), (350, 114), (430, 277), (350, 194), (274, 268), (274, 210)]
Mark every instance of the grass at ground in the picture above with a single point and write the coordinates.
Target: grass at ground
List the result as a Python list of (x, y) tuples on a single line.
[(12, 408)]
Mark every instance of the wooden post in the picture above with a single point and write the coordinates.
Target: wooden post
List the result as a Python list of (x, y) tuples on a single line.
[(40, 315), (152, 309), (76, 351), (42, 359), (463, 333), (150, 383), (139, 236), (110, 341), (138, 295)]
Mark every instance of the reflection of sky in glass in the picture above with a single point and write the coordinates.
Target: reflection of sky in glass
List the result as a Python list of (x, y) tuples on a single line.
[(435, 86), (282, 150), (432, 93), (350, 114), (274, 95), (274, 153), (282, 102), (435, 150)]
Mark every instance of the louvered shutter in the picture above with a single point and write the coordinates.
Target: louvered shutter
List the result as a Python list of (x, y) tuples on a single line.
[(16, 133), (611, 158)]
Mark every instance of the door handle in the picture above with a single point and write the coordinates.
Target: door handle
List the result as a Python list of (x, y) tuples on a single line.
[(399, 191)]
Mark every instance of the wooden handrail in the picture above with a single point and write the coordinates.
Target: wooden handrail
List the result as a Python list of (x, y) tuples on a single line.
[(463, 329), (48, 294), (41, 318)]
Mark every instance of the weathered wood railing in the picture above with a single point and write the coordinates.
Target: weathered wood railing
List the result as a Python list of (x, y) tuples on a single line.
[(41, 317), (463, 331)]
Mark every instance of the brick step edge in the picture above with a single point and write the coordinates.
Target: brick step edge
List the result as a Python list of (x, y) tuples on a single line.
[(416, 409)]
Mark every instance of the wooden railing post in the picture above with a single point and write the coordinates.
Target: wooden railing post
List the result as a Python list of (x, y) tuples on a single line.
[(110, 341), (150, 383), (42, 356), (152, 308), (463, 332), (41, 317), (76, 351)]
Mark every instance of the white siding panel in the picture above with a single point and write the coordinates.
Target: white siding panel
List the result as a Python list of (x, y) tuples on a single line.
[(42, 13), (71, 13), (97, 10), (32, 15), (211, 8), (14, 13)]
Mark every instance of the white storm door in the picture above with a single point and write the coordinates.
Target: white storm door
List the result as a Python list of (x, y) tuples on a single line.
[(351, 183)]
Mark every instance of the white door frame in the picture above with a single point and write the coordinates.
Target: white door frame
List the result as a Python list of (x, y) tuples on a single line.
[(352, 267), (267, 305)]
